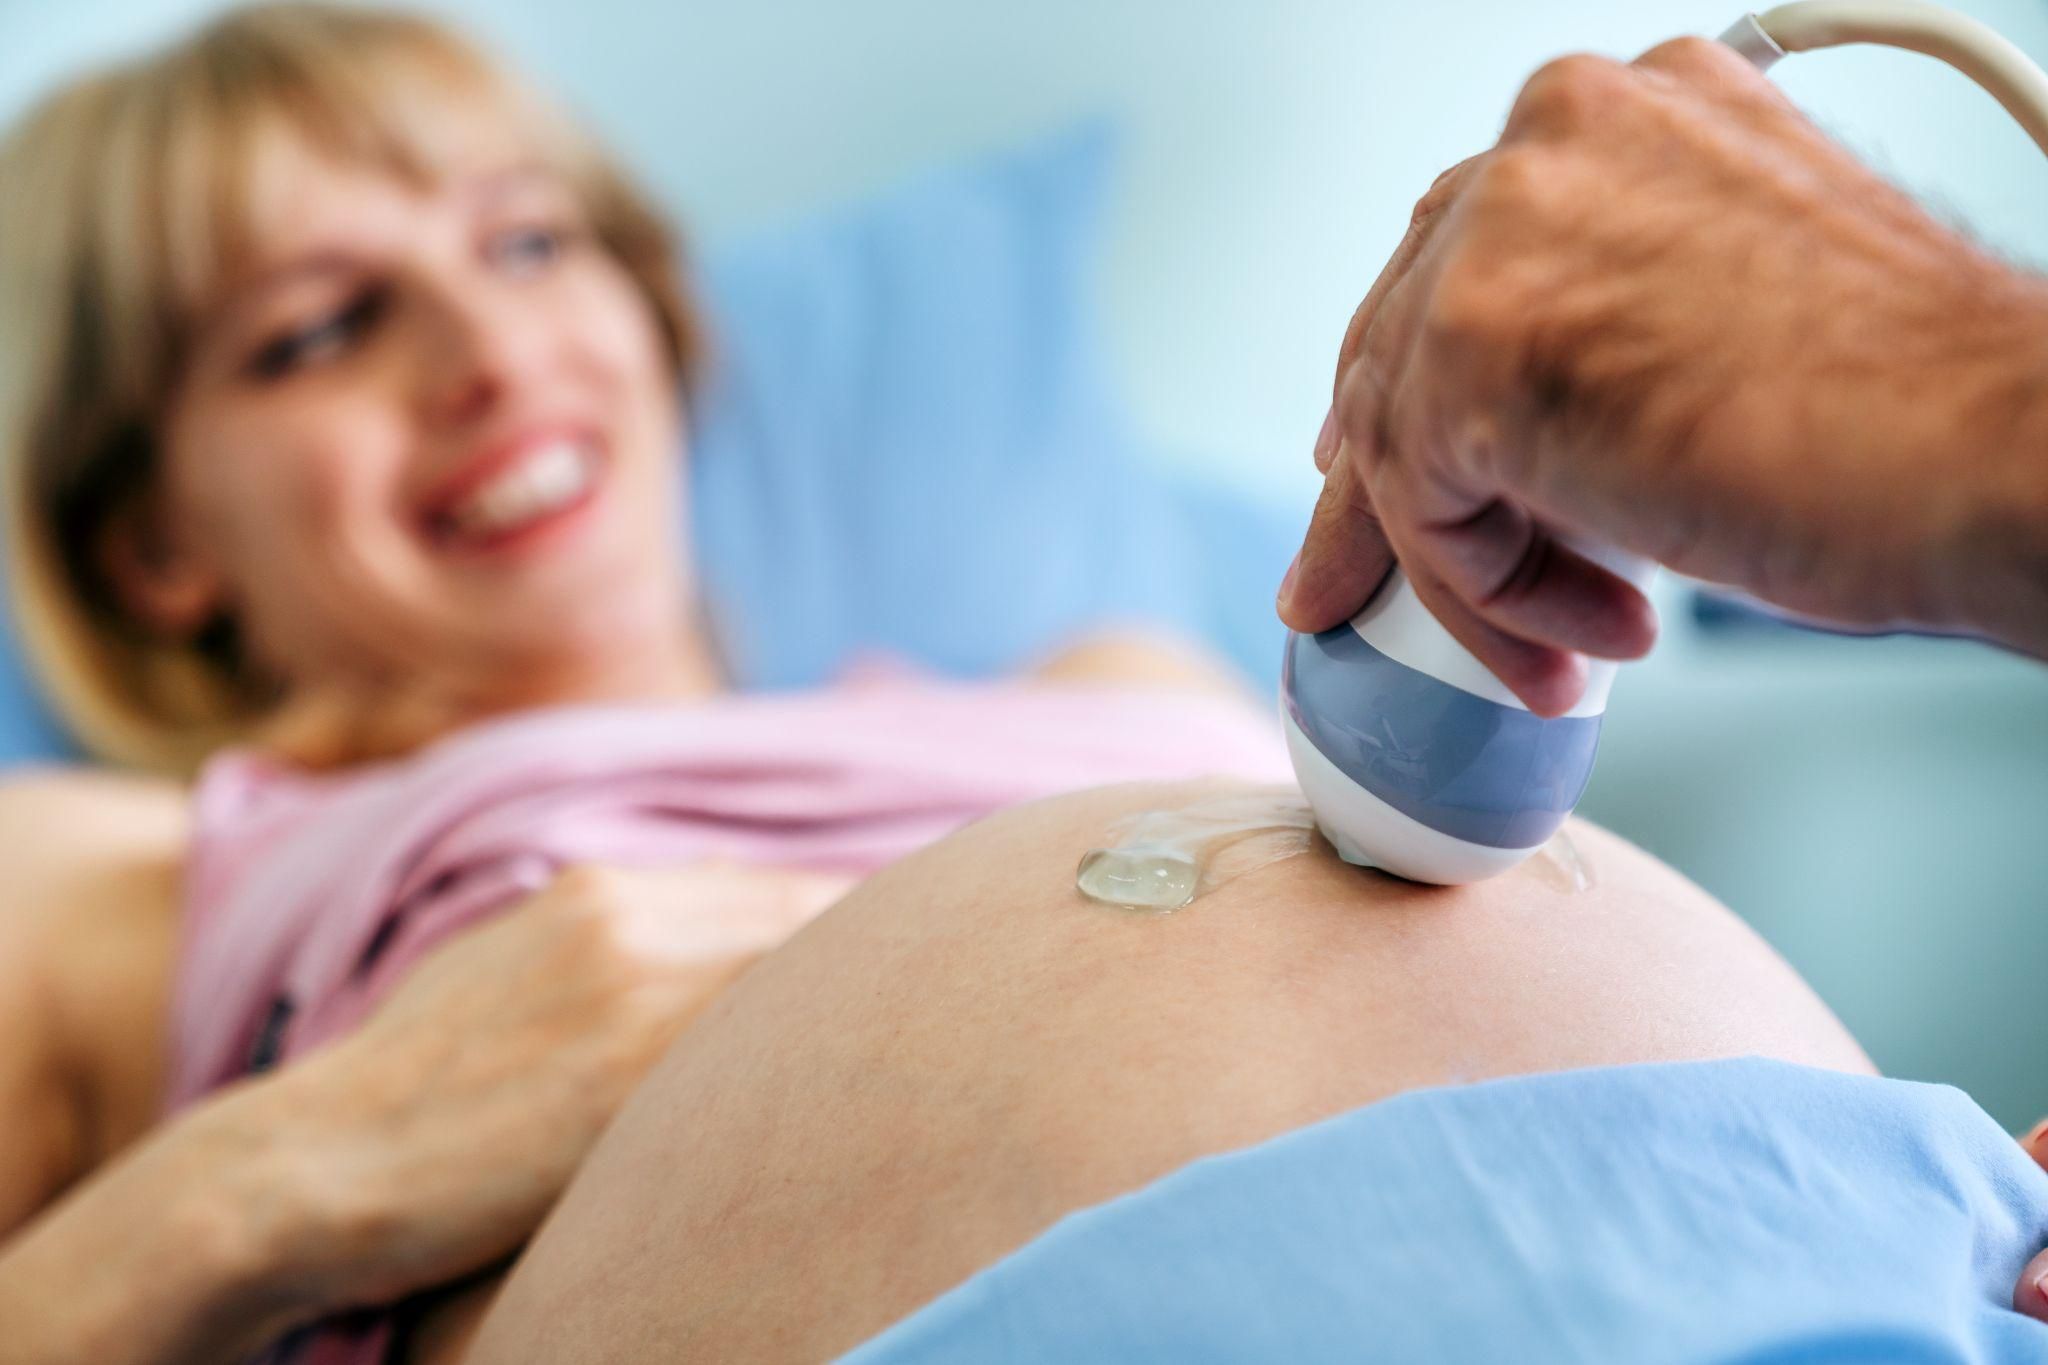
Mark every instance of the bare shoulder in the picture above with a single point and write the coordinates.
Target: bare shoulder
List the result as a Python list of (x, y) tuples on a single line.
[(75, 806), (75, 836), (92, 871)]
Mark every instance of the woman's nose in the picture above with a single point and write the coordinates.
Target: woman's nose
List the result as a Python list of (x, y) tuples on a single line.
[(478, 349)]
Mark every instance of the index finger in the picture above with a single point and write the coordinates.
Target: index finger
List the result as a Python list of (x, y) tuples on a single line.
[(1422, 222), (1343, 557)]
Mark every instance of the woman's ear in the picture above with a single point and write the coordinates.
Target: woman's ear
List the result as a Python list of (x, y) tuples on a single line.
[(154, 574)]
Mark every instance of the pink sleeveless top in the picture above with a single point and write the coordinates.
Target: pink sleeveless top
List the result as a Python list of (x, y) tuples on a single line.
[(309, 895)]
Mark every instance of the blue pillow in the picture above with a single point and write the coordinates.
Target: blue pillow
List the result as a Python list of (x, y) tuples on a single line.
[(912, 443), (907, 441), (27, 729)]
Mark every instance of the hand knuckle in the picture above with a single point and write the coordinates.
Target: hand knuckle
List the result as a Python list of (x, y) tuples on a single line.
[(1470, 307), (1692, 55), (1354, 339), (1361, 407), (585, 882), (1439, 196), (1516, 180), (1571, 93), (595, 918)]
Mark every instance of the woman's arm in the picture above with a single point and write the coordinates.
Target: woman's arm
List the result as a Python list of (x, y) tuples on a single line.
[(180, 1250), (422, 1148), (148, 1261), (40, 1140), (88, 910)]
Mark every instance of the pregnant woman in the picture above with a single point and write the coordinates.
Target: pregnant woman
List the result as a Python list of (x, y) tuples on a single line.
[(344, 398)]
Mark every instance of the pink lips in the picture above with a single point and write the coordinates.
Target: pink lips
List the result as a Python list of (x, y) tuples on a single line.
[(440, 509)]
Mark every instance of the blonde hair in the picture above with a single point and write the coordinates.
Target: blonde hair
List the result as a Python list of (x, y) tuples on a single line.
[(127, 199)]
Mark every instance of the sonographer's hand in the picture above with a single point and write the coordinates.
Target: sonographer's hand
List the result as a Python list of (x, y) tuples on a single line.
[(1667, 313)]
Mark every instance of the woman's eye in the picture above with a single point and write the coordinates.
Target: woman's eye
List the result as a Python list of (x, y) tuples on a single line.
[(321, 339), (527, 248)]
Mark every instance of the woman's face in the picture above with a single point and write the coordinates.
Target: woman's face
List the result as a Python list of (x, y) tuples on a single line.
[(430, 437)]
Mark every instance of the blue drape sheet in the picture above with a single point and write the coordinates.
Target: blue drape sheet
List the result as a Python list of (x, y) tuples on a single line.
[(1729, 1211)]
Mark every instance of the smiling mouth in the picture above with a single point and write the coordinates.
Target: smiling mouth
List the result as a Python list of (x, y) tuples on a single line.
[(542, 486)]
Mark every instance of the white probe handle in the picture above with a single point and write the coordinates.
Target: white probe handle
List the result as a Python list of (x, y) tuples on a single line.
[(1972, 48)]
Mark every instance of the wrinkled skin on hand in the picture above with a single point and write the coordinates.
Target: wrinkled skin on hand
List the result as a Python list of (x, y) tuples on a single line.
[(1665, 312), (443, 1130)]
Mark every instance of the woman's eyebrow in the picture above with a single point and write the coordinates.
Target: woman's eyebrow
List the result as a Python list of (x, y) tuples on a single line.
[(246, 293), (502, 184), (483, 190), (502, 178)]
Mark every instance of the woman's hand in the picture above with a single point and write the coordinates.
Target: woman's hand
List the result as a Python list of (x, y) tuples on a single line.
[(426, 1145), (1665, 312), (435, 1138), (2030, 1295)]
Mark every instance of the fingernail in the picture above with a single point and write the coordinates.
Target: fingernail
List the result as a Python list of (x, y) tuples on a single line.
[(1326, 439), (2041, 1285), (1287, 581)]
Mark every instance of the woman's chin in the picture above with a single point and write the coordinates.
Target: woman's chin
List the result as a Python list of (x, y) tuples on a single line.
[(607, 641), (586, 568)]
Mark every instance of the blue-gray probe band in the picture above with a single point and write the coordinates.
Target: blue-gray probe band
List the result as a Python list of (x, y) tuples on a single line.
[(1462, 765)]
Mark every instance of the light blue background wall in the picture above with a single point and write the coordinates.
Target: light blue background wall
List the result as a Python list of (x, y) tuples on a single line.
[(1277, 144), (1879, 810)]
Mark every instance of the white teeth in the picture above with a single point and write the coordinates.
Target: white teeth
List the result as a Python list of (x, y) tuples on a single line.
[(548, 478)]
